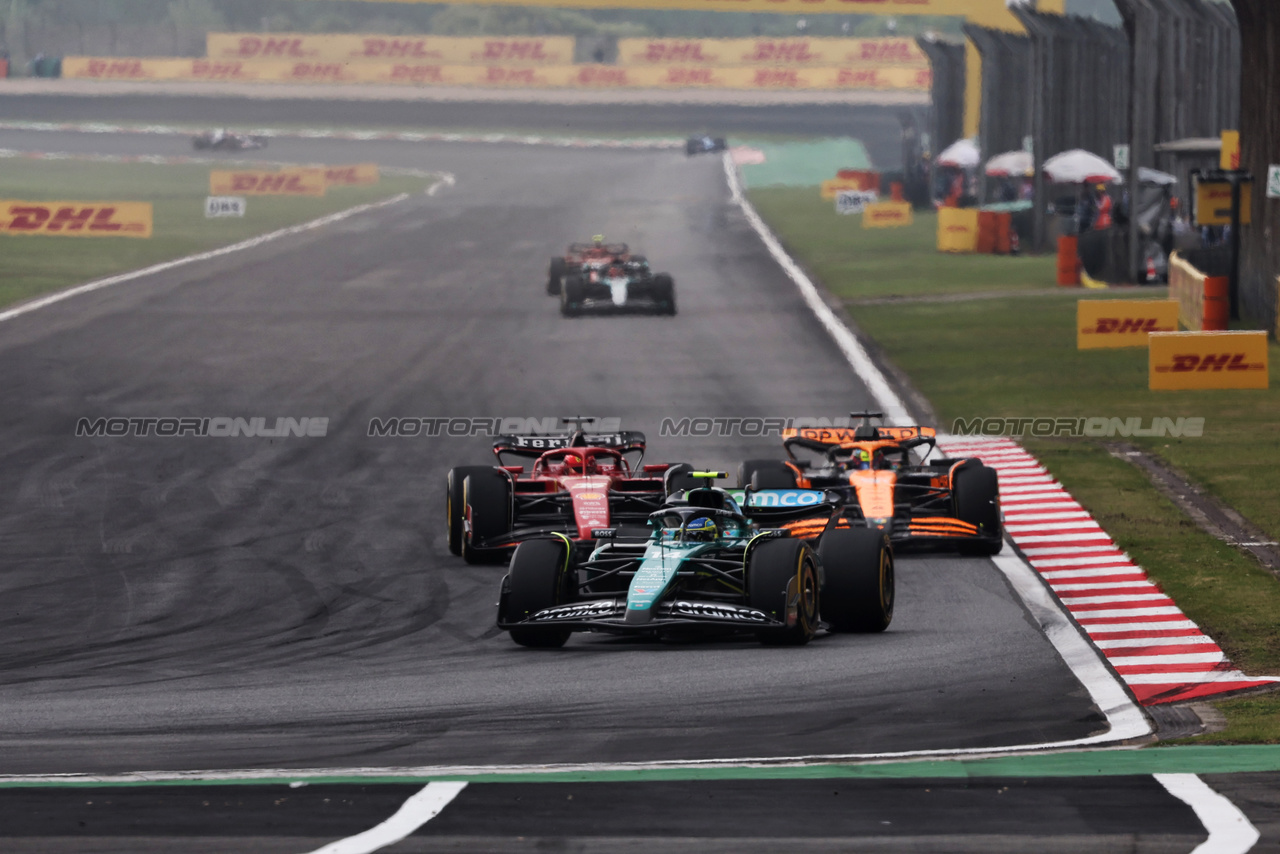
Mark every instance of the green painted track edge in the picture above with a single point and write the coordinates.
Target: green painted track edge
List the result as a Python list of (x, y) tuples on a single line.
[(1206, 759)]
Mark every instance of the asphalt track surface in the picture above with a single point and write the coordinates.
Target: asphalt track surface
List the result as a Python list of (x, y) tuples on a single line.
[(189, 603), (1116, 814), (223, 603), (879, 127)]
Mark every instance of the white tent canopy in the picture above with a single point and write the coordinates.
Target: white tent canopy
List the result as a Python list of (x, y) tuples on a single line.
[(962, 154), (1155, 176), (1011, 164), (1080, 167)]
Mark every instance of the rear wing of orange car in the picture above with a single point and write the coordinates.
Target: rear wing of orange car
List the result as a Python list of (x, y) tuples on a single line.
[(824, 439)]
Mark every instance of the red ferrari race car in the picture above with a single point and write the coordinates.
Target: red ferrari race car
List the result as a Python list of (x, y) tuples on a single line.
[(582, 257), (606, 277), (940, 502), (579, 483)]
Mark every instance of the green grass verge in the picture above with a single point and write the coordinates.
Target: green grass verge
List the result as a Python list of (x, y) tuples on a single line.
[(1250, 720), (1013, 356), (856, 263), (35, 265)]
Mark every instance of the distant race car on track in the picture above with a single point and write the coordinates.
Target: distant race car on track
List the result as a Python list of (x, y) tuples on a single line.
[(578, 482), (774, 564), (601, 276), (949, 503), (704, 144), (222, 140)]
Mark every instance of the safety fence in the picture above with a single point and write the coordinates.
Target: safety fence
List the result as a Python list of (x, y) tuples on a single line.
[(892, 64), (804, 52), (550, 76)]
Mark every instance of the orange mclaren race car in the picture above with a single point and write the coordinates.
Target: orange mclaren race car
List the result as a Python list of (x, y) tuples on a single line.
[(937, 502)]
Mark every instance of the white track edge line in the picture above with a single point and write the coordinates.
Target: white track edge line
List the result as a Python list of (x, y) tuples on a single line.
[(1230, 831), (1125, 718), (849, 345), (415, 812), (58, 296)]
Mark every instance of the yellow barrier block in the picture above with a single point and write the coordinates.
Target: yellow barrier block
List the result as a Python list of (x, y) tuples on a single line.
[(958, 230), (361, 174), (887, 215), (76, 219), (258, 182), (1200, 360), (1108, 323)]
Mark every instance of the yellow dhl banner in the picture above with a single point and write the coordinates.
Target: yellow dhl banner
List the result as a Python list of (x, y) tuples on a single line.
[(1105, 323), (553, 76), (76, 219), (258, 182), (787, 51), (1199, 360), (887, 215), (989, 13), (351, 176), (449, 50)]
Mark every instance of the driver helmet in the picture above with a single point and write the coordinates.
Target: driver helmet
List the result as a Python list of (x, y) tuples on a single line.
[(598, 240), (573, 461), (700, 530), (862, 460)]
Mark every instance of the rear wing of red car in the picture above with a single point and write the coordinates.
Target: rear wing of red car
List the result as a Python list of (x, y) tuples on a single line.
[(533, 446)]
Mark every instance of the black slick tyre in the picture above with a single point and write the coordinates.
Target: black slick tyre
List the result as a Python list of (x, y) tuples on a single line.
[(540, 577), (766, 474), (976, 493), (554, 274), (487, 496), (572, 295), (664, 294), (455, 507), (858, 584), (778, 573)]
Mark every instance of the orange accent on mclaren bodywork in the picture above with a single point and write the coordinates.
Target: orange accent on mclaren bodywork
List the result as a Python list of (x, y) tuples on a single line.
[(875, 491)]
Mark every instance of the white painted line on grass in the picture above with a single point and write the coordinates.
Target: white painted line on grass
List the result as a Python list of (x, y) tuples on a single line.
[(415, 812), (1109, 585), (1126, 719), (1184, 640), (1102, 614), (1230, 831), (99, 284), (1122, 660), (1151, 626), (1199, 677)]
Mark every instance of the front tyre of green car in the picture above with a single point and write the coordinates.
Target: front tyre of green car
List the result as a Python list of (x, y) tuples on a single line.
[(541, 575), (780, 573)]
